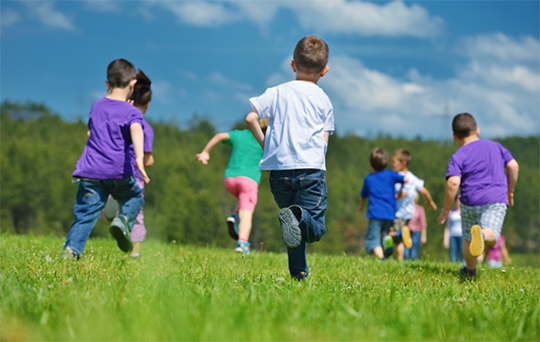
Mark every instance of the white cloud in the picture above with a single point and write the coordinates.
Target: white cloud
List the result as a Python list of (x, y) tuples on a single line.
[(47, 15), (337, 16), (503, 95), (220, 80), (501, 47), (162, 91), (9, 17)]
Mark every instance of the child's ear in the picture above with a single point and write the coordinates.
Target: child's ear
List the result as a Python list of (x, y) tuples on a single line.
[(325, 70), (477, 132), (293, 65), (455, 138), (132, 83), (108, 87)]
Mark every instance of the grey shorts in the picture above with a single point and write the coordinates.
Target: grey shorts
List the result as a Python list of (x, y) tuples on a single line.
[(397, 224), (490, 216)]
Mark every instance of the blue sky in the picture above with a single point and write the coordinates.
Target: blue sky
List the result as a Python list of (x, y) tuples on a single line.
[(398, 68)]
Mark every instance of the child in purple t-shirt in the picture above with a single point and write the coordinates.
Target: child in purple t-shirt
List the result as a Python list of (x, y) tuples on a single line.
[(141, 97), (105, 166), (486, 191)]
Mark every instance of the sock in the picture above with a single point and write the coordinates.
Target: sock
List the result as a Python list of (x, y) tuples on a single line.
[(244, 242)]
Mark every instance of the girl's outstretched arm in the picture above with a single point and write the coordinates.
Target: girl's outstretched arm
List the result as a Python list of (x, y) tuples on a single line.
[(204, 156)]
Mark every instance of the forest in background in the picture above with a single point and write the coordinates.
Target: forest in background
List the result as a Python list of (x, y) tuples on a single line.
[(186, 200)]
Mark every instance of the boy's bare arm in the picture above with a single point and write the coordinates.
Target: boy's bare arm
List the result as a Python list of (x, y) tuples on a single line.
[(326, 136), (512, 170), (362, 202), (204, 156), (452, 187), (148, 159), (252, 121), (137, 137), (427, 195)]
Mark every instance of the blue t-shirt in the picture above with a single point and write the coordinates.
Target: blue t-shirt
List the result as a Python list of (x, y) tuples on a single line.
[(379, 189)]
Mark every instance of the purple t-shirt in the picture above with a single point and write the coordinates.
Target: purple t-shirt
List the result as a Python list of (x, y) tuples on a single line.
[(148, 145), (106, 154), (480, 164)]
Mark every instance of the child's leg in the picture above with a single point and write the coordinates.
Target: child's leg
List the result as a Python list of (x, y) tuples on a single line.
[(298, 266), (129, 196), (139, 230), (310, 197), (372, 243), (416, 245), (90, 200), (247, 201)]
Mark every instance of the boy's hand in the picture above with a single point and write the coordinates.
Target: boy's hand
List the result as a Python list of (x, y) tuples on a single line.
[(140, 165), (442, 217), (203, 157), (511, 199), (432, 204)]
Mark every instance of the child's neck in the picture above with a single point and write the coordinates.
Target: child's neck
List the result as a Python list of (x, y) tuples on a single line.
[(467, 140), (120, 94), (404, 170), (311, 78)]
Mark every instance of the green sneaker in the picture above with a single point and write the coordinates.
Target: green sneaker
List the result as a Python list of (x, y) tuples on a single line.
[(387, 245), (120, 232)]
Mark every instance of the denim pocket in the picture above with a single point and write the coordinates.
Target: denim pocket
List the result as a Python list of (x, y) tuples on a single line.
[(313, 192), (90, 196), (126, 185)]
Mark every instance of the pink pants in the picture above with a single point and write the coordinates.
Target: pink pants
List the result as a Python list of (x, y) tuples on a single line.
[(245, 189), (138, 233)]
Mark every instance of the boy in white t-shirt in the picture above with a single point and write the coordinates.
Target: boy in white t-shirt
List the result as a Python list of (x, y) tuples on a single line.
[(301, 120), (405, 203)]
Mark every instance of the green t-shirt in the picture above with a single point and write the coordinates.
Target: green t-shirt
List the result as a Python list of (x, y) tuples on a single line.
[(245, 155)]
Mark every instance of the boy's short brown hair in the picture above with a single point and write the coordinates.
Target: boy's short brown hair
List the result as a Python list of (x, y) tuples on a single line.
[(403, 155), (311, 54), (120, 72), (463, 125), (378, 158)]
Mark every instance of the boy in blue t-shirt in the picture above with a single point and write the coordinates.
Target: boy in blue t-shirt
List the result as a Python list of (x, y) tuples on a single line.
[(379, 189)]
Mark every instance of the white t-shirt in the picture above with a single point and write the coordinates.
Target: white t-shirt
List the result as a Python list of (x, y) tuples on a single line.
[(454, 223), (300, 112), (405, 205)]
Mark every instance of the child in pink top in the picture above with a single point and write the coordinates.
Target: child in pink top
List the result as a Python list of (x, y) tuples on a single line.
[(418, 227), (496, 253)]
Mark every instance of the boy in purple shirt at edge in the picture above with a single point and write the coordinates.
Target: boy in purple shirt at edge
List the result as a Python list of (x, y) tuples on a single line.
[(379, 189), (486, 191), (105, 168)]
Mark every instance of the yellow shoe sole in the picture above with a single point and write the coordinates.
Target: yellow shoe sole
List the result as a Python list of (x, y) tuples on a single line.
[(477, 241), (406, 236)]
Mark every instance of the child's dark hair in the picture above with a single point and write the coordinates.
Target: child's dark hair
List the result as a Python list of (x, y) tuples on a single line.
[(142, 93), (463, 125), (120, 72), (403, 155), (311, 54), (378, 159)]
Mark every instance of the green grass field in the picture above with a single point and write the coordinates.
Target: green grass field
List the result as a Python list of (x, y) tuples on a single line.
[(186, 293)]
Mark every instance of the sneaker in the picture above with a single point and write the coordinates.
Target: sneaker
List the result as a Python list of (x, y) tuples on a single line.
[(476, 246), (291, 233), (465, 272), (242, 247), (120, 232), (388, 245), (406, 236), (70, 254), (232, 222), (110, 210)]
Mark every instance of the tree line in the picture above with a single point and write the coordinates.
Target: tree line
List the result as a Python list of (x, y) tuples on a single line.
[(186, 201)]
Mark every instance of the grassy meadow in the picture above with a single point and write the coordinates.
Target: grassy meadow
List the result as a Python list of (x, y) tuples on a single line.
[(186, 293)]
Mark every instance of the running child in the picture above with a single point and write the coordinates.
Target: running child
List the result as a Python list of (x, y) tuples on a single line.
[(301, 120), (418, 228), (105, 166), (486, 191), (242, 178), (379, 190), (405, 204)]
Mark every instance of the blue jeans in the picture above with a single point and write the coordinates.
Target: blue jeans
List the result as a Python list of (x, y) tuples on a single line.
[(91, 198), (456, 249), (305, 189), (373, 235), (413, 251)]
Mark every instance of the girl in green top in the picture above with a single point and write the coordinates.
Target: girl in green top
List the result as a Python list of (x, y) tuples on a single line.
[(242, 178)]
